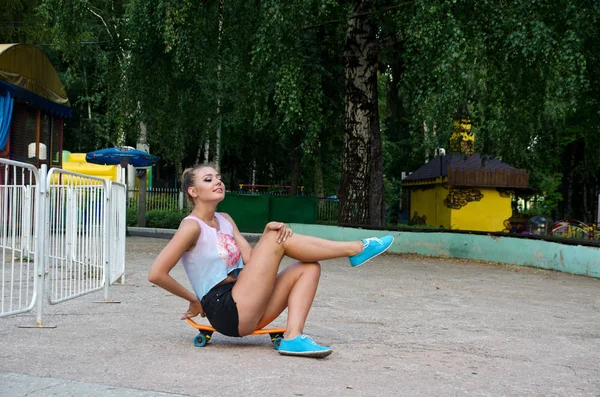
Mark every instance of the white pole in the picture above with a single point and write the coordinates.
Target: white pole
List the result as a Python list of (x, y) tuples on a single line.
[(598, 216), (40, 230), (40, 256), (106, 240), (130, 182)]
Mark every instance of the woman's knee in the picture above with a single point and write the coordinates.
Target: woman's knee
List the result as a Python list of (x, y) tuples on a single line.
[(270, 232), (314, 268), (272, 236)]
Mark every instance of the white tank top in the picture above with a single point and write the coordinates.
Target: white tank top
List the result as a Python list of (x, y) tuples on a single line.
[(215, 256)]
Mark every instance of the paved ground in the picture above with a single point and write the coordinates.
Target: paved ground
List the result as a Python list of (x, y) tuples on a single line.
[(399, 326)]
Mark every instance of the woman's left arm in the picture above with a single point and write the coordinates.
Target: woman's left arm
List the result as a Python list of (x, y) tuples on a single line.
[(242, 243)]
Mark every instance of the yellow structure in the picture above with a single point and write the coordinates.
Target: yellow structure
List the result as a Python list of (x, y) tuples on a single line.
[(462, 139), (464, 191), (427, 206), (76, 163), (489, 213)]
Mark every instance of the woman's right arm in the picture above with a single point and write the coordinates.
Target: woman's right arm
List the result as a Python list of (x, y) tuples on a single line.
[(184, 238)]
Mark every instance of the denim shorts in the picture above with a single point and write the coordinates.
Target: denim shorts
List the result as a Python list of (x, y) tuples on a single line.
[(221, 310)]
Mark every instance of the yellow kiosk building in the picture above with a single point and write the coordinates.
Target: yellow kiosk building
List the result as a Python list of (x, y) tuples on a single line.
[(464, 190)]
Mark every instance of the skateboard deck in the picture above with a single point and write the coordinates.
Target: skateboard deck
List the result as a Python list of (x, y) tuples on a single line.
[(205, 333)]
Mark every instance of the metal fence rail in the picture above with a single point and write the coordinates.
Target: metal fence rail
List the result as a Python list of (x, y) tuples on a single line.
[(116, 231), (19, 200), (76, 209), (62, 235), (169, 199), (327, 210), (163, 199)]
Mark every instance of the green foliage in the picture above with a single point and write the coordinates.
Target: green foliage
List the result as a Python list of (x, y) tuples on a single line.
[(131, 216), (549, 200), (525, 72), (272, 77), (87, 44), (18, 23), (164, 219), (167, 74)]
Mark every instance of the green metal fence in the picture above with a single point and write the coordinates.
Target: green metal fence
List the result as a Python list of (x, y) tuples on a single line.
[(252, 212), (298, 209)]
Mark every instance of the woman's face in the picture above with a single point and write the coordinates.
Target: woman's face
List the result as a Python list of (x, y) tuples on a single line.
[(208, 185)]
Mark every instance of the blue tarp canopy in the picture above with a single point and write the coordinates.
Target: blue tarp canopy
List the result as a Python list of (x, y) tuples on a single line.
[(27, 74), (121, 155), (6, 107), (34, 100)]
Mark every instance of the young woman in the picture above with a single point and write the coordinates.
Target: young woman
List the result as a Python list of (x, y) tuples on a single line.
[(236, 302)]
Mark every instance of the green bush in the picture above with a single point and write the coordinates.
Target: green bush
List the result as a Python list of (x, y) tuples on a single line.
[(131, 216), (164, 219)]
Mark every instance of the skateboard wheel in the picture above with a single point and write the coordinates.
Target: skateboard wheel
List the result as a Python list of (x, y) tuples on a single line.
[(277, 342), (200, 340)]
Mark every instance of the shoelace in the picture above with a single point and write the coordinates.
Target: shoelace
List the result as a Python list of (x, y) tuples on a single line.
[(309, 339), (373, 239)]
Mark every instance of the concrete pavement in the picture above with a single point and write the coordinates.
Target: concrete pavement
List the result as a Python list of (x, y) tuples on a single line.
[(399, 326)]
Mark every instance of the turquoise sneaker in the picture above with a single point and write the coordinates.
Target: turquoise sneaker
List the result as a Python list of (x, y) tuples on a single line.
[(373, 247), (304, 346)]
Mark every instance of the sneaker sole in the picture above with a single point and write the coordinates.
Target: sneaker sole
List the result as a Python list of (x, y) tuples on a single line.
[(375, 256), (316, 354)]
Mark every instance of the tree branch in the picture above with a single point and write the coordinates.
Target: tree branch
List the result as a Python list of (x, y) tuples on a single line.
[(102, 19), (389, 42), (124, 55), (358, 15)]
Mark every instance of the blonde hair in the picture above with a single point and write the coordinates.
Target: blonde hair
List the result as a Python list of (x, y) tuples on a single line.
[(188, 178)]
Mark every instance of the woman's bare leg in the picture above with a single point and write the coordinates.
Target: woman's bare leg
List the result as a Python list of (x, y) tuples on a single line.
[(295, 288), (256, 282)]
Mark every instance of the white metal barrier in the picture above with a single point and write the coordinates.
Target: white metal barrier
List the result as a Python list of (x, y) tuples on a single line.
[(62, 236), (19, 212), (77, 208), (117, 226)]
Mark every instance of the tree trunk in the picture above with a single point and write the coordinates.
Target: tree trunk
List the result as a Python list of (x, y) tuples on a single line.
[(319, 184), (297, 159), (598, 208), (206, 150), (568, 205), (395, 113), (178, 169), (199, 153), (87, 95), (376, 188), (361, 188), (219, 69)]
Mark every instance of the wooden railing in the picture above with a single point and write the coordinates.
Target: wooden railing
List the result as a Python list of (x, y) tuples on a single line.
[(515, 178)]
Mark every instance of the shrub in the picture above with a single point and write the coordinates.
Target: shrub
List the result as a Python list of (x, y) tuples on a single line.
[(164, 219), (131, 216)]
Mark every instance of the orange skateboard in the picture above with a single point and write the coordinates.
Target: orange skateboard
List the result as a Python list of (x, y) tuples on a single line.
[(205, 333)]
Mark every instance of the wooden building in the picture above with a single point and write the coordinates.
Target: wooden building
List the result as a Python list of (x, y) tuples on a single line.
[(33, 106), (464, 190)]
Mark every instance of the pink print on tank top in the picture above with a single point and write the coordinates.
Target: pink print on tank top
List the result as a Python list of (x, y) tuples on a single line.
[(228, 250)]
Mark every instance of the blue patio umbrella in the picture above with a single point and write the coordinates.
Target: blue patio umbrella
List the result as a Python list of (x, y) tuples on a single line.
[(121, 155)]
